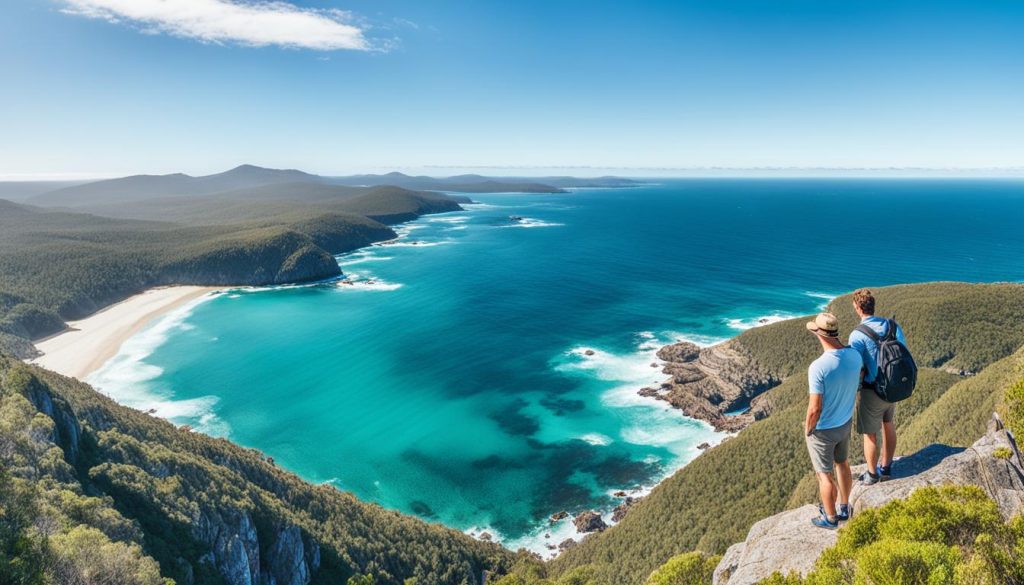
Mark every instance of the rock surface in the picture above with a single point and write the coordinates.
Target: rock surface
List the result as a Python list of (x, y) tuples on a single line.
[(709, 382), (787, 542), (589, 522)]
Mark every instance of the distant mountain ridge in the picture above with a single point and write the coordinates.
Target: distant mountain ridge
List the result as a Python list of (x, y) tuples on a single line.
[(265, 183), (140, 187), (472, 183)]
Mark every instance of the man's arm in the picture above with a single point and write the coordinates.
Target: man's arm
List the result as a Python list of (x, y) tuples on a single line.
[(813, 413)]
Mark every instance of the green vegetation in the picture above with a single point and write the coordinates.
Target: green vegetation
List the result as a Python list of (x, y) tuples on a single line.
[(713, 501), (58, 265), (1012, 406), (88, 487), (692, 568), (952, 534), (949, 325)]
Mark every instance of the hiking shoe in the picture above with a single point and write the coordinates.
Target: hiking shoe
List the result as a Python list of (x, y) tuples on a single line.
[(843, 512), (823, 522), (868, 478), (885, 472)]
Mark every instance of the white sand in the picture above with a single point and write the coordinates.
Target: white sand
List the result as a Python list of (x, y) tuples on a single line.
[(88, 344)]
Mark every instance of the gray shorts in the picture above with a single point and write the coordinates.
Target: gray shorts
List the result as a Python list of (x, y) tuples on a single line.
[(828, 447), (872, 411)]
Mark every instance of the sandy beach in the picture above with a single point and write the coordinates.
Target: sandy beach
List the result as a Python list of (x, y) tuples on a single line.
[(87, 344)]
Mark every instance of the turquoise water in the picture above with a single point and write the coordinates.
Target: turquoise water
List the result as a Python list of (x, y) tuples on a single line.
[(452, 380)]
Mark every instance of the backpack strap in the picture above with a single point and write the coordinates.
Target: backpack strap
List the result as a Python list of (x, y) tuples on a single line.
[(890, 333), (869, 332)]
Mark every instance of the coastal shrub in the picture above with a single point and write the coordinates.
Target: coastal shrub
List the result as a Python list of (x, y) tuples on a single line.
[(693, 568), (1002, 453), (1013, 404), (85, 555), (950, 534)]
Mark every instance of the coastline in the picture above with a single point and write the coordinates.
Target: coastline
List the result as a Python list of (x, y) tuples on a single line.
[(88, 343)]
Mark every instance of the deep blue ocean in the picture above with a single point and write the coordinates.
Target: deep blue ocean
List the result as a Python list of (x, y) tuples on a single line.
[(451, 379)]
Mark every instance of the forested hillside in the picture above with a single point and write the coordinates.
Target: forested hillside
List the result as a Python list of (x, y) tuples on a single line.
[(714, 500), (59, 265), (93, 492)]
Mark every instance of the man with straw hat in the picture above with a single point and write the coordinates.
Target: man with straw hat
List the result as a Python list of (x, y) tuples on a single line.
[(833, 380)]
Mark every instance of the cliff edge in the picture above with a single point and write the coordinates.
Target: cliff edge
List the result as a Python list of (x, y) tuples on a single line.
[(787, 542)]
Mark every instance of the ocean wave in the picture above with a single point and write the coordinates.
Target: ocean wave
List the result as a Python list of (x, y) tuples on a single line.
[(129, 380), (363, 259), (696, 339), (527, 222), (826, 297), (412, 244), (370, 285), (596, 439), (448, 219), (751, 322)]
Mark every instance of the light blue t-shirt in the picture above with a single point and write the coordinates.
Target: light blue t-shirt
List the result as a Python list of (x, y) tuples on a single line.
[(867, 348), (836, 376)]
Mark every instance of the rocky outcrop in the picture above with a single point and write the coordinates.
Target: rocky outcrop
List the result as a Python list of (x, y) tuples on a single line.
[(707, 383), (66, 431), (292, 560), (622, 509), (589, 521), (787, 542)]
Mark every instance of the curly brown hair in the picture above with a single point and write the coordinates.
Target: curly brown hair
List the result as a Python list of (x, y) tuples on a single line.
[(864, 300)]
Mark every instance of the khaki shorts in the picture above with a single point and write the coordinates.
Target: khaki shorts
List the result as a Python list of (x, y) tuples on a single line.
[(872, 411), (828, 447)]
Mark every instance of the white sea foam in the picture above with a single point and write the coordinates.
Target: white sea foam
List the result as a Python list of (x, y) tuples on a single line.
[(699, 340), (367, 285), (649, 422), (412, 244), (527, 222), (363, 259), (596, 439), (448, 219), (750, 323), (129, 380), (826, 297)]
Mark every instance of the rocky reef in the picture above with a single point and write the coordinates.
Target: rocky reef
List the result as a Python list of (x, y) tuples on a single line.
[(718, 384)]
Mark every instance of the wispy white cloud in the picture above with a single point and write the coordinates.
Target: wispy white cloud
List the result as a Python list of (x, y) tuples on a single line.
[(255, 24)]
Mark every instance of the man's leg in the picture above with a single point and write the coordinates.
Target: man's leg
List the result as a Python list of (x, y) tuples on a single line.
[(871, 452), (845, 476), (827, 490), (888, 442)]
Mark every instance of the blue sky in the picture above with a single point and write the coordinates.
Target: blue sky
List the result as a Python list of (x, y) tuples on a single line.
[(107, 87)]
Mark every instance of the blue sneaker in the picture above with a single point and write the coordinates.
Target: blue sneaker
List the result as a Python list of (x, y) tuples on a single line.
[(885, 472), (823, 522), (843, 512), (868, 478)]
